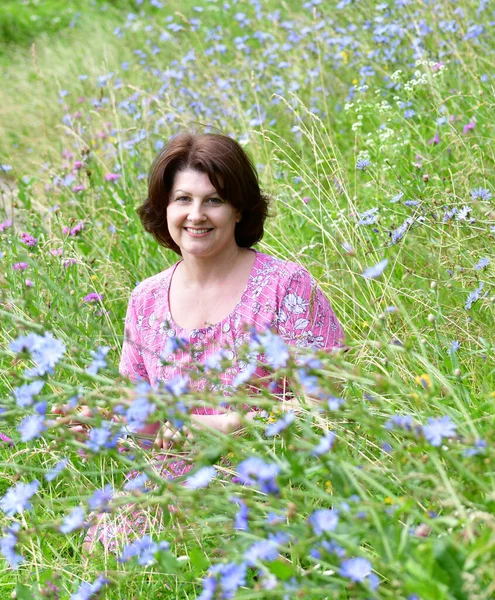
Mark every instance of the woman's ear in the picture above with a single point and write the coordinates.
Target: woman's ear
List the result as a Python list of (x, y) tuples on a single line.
[(238, 216)]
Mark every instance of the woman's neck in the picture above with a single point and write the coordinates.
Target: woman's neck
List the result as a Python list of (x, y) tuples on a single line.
[(202, 272)]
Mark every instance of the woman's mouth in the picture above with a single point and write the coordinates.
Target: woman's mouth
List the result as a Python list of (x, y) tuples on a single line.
[(197, 232)]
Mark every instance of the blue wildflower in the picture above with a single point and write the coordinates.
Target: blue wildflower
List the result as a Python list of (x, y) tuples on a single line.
[(254, 471), (362, 164), (263, 550), (137, 483), (438, 429), (241, 517), (276, 350), (45, 351), (324, 519), (358, 570), (139, 411), (17, 498), (334, 402), (223, 580), (24, 394), (144, 549), (74, 520), (245, 375), (400, 421), (177, 386), (478, 448), (325, 444), (8, 544), (369, 217), (280, 425), (103, 437), (201, 478), (482, 263), (481, 194), (454, 346), (474, 296), (31, 427), (99, 361), (377, 270), (396, 198), (87, 590), (100, 499), (57, 469)]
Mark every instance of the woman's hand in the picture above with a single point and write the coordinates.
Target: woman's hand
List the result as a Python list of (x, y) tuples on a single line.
[(76, 426), (168, 437)]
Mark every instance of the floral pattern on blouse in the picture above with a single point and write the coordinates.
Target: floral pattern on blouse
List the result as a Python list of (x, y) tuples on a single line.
[(280, 295)]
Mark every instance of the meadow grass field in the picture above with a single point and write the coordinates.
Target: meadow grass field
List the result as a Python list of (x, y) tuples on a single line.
[(371, 125)]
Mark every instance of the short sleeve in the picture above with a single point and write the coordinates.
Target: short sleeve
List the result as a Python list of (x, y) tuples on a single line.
[(131, 359), (305, 316)]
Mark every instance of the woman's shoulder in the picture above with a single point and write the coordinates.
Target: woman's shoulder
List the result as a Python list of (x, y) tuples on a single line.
[(281, 269)]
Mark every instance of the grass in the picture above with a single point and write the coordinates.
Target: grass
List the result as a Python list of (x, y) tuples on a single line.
[(307, 113)]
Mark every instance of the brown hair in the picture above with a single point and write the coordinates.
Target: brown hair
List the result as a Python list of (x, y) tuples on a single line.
[(223, 160)]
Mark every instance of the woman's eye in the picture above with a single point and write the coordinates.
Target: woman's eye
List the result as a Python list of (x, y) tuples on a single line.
[(215, 200), (182, 199)]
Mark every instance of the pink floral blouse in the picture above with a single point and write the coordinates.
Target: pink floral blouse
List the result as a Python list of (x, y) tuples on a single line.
[(280, 295)]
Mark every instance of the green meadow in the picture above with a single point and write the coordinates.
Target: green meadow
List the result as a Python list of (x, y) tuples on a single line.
[(371, 127)]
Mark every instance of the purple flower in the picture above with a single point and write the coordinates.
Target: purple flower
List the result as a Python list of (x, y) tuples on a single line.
[(481, 194), (5, 225), (201, 478), (144, 549), (93, 297), (112, 177), (435, 139), (75, 230), (31, 427), (87, 590), (16, 500), (326, 443), (8, 544), (468, 127), (57, 469), (28, 239), (438, 429), (324, 519), (100, 499), (24, 394), (20, 266), (254, 471), (73, 521), (280, 425), (377, 270)]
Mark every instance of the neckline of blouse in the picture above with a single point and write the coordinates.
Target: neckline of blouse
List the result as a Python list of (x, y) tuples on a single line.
[(214, 326)]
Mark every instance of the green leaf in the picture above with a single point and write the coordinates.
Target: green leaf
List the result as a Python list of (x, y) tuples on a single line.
[(23, 592), (169, 563), (199, 561), (281, 569)]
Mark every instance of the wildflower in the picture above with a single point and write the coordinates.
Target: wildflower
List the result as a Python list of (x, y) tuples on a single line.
[(87, 590), (482, 263), (334, 403), (358, 570), (474, 296), (20, 266), (5, 225), (468, 127), (280, 425), (29, 283), (175, 343), (363, 163), (396, 198), (244, 375), (224, 579), (93, 297), (57, 469), (435, 139), (325, 444), (481, 194), (369, 217), (177, 386), (262, 550), (400, 421), (424, 380), (112, 177), (99, 361), (103, 437), (139, 412), (28, 239), (100, 499), (137, 483), (31, 427), (454, 346), (377, 270), (73, 521), (72, 232), (201, 478), (76, 189), (438, 429), (241, 517), (478, 448), (8, 544), (325, 519), (275, 349), (24, 394), (463, 213), (144, 549), (16, 500), (253, 470)]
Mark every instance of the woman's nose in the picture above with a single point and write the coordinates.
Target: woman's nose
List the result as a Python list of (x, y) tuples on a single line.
[(196, 212)]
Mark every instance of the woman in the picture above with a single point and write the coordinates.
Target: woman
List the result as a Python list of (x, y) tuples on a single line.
[(204, 202)]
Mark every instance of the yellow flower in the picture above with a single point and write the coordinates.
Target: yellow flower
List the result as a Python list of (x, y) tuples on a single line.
[(424, 380), (492, 395), (388, 500), (344, 56), (328, 486), (354, 82), (93, 277)]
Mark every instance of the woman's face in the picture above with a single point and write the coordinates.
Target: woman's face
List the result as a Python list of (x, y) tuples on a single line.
[(199, 221)]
